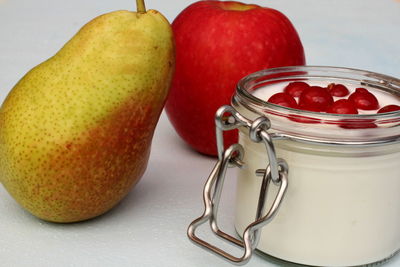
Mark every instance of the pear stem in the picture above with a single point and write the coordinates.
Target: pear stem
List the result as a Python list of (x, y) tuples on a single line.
[(140, 7)]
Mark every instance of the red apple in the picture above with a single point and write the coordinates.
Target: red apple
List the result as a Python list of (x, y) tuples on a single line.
[(218, 43)]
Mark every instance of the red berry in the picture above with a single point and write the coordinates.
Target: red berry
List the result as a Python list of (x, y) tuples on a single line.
[(389, 108), (362, 90), (295, 88), (338, 90), (342, 106), (315, 98), (283, 99), (363, 99)]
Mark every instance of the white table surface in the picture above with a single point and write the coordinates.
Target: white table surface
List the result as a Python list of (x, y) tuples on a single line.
[(148, 228)]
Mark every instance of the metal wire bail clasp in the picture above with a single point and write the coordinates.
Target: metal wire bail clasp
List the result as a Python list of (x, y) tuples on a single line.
[(227, 118)]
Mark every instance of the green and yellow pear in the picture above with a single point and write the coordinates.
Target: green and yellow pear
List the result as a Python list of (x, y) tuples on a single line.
[(76, 130)]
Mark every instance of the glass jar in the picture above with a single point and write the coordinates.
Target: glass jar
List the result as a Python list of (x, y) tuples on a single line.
[(341, 204)]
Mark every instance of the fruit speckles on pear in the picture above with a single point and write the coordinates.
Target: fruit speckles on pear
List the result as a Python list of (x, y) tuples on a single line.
[(76, 130)]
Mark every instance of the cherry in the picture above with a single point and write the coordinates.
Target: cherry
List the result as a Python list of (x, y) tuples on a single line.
[(342, 106), (338, 90), (364, 100), (283, 99), (362, 90), (389, 108), (295, 88), (315, 98)]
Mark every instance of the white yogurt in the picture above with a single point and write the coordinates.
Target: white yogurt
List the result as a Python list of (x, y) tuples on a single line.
[(342, 207)]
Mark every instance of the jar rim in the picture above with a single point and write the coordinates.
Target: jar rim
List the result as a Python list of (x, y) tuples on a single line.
[(309, 126), (381, 81)]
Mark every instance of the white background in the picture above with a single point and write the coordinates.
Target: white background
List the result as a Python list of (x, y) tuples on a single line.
[(148, 228)]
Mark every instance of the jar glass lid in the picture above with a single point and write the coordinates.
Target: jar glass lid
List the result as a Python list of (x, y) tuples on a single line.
[(367, 127)]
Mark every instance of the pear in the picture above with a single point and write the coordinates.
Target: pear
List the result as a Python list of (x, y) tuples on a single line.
[(76, 130)]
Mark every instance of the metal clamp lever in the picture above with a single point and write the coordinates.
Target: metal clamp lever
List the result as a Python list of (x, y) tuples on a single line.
[(233, 157)]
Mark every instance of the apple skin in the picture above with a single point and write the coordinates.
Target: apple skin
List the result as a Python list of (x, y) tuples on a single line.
[(217, 44)]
